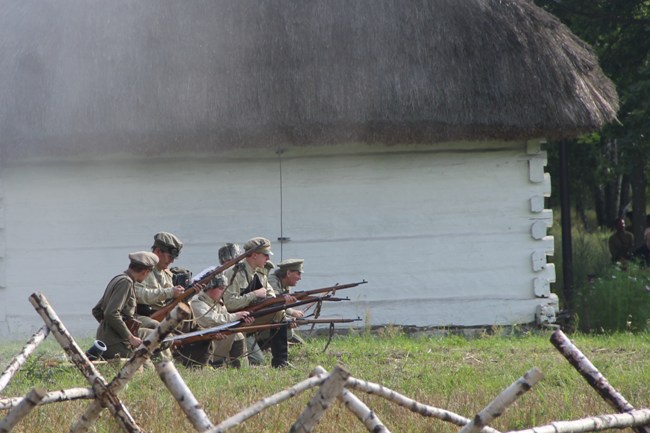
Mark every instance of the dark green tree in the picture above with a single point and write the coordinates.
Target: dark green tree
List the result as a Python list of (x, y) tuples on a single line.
[(607, 165)]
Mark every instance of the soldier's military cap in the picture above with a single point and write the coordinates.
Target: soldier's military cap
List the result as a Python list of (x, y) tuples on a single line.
[(269, 265), (291, 265), (219, 280), (252, 243), (168, 243), (144, 258), (228, 252)]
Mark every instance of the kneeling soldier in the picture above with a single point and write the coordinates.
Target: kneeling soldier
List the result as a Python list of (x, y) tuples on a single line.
[(209, 311), (117, 307)]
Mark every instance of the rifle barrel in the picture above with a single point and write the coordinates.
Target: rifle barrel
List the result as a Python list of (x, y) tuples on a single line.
[(301, 295)]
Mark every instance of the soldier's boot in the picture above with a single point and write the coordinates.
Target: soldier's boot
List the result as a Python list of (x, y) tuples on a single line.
[(279, 348), (238, 354)]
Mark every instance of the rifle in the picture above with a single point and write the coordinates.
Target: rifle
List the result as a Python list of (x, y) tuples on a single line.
[(160, 314), (317, 321), (267, 302), (234, 325), (252, 328)]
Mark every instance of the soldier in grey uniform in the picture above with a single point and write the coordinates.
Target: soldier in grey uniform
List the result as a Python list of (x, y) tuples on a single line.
[(286, 276), (239, 277), (117, 305), (209, 311), (228, 252), (158, 288)]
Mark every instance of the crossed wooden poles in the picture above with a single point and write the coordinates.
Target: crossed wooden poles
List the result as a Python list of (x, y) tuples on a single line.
[(337, 384)]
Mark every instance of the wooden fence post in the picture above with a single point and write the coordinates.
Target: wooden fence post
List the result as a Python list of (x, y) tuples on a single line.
[(503, 400), (320, 402), (358, 408), (104, 396), (21, 357), (19, 412), (140, 355), (593, 376), (183, 395)]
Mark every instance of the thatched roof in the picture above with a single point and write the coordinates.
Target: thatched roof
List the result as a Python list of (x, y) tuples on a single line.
[(155, 74)]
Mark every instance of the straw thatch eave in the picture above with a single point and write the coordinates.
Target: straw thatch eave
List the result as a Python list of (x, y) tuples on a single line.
[(99, 77)]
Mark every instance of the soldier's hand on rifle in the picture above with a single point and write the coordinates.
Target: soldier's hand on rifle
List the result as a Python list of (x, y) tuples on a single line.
[(260, 293), (242, 315), (297, 314), (288, 299), (134, 341), (249, 320), (178, 291)]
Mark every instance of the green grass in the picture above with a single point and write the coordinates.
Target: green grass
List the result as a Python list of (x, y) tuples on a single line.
[(453, 373)]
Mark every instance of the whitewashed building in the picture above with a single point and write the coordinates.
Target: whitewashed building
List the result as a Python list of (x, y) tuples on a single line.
[(395, 143)]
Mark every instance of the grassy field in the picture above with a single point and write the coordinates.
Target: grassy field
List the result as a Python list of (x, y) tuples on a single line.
[(453, 373)]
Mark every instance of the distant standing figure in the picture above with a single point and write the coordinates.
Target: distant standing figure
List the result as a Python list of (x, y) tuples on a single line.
[(621, 242), (117, 306)]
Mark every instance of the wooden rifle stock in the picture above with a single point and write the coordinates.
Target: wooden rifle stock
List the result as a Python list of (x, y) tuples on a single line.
[(279, 307), (255, 328), (160, 314), (300, 295)]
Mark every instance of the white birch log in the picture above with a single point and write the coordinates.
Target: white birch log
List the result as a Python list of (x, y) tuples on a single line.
[(51, 397), (23, 409), (498, 406), (139, 357), (632, 419), (104, 397), (21, 357), (183, 395), (321, 401), (358, 408), (410, 404), (593, 377), (267, 402)]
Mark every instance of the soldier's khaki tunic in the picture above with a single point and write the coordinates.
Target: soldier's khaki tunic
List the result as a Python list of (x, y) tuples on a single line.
[(117, 303), (279, 289), (208, 314), (156, 289), (239, 276)]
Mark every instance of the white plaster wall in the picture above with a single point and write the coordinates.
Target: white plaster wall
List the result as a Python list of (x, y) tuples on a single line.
[(441, 233)]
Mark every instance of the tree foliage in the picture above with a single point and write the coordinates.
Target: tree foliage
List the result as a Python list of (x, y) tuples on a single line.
[(604, 165)]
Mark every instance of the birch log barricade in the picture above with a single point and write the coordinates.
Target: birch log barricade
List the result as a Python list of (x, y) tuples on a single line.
[(51, 397), (499, 405), (319, 403), (593, 377), (410, 404), (14, 416), (104, 397), (358, 408), (183, 395), (139, 357), (22, 356), (160, 314), (267, 402), (634, 418)]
